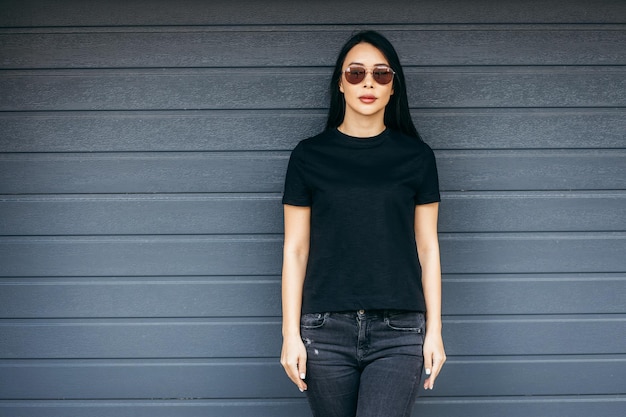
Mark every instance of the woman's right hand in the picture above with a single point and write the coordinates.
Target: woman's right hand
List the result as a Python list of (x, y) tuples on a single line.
[(293, 360)]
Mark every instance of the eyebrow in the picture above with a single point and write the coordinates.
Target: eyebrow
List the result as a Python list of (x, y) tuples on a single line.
[(375, 65)]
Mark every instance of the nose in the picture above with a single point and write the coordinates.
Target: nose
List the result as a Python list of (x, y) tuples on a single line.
[(369, 79)]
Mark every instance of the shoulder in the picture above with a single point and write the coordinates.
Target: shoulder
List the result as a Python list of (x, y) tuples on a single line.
[(410, 144), (318, 139), (312, 142)]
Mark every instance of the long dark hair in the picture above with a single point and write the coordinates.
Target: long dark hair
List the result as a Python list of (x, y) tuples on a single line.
[(397, 115)]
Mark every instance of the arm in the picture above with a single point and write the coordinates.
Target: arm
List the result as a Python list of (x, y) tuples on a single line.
[(428, 251), (295, 257)]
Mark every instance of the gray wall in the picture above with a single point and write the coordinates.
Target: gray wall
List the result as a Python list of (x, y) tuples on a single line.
[(143, 147)]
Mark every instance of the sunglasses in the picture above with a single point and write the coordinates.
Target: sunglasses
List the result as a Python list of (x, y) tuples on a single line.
[(382, 74)]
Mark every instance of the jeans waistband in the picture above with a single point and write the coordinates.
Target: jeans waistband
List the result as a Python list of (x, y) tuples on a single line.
[(371, 313)]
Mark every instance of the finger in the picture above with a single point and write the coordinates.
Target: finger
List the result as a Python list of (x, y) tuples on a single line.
[(302, 374), (428, 363), (436, 368), (295, 378), (297, 372), (302, 368), (291, 369), (302, 386), (430, 382)]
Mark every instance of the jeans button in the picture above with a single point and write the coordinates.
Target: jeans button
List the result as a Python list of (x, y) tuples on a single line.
[(361, 311)]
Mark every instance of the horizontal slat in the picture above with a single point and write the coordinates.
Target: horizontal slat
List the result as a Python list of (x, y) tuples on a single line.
[(141, 297), (527, 252), (534, 294), (522, 128), (184, 407), (264, 172), (143, 173), (262, 213), (141, 214), (189, 12), (306, 46), (532, 170), (149, 338), (534, 335), (304, 88), (532, 211), (222, 130), (148, 255), (256, 337), (268, 130), (108, 297), (576, 406), (261, 255), (265, 379)]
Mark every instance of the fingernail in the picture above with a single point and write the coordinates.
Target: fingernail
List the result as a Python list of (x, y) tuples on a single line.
[(302, 376), (301, 390), (428, 372)]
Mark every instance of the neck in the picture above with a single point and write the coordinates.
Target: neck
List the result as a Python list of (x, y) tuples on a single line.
[(363, 127)]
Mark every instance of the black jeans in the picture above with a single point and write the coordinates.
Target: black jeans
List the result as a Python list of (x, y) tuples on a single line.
[(363, 363)]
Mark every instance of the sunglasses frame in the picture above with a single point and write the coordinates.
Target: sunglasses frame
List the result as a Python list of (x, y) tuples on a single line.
[(371, 71)]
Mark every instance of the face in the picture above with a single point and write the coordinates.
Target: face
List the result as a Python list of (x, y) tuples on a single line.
[(368, 97)]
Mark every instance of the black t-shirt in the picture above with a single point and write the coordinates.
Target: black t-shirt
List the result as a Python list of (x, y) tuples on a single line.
[(362, 193)]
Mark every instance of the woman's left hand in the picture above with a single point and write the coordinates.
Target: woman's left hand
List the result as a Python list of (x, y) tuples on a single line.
[(434, 357)]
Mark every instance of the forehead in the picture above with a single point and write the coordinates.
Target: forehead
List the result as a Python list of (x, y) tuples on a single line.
[(366, 54)]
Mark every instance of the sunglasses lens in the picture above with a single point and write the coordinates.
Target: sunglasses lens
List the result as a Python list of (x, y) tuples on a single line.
[(355, 75), (382, 75)]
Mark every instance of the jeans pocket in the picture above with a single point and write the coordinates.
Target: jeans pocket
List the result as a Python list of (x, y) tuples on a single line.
[(313, 320), (405, 321)]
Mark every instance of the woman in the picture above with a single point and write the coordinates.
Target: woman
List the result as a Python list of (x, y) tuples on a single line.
[(361, 272)]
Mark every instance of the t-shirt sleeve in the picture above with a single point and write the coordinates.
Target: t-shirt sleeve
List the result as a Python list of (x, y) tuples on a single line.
[(296, 192), (428, 189)]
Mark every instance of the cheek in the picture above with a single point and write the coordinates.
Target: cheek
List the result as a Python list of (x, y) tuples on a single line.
[(389, 93)]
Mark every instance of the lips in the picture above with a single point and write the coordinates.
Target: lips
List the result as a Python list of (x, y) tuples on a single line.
[(367, 99)]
